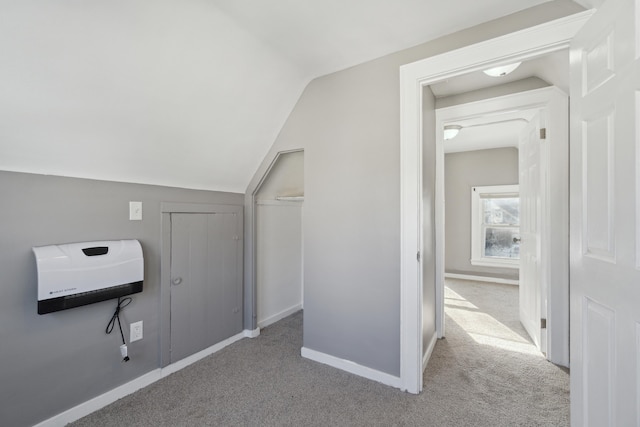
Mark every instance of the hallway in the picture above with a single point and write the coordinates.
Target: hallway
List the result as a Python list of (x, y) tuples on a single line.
[(488, 361)]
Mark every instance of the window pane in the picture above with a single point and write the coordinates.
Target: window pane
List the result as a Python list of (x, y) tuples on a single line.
[(499, 243), (501, 210)]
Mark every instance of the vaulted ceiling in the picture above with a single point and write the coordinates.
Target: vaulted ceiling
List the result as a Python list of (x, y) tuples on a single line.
[(190, 93)]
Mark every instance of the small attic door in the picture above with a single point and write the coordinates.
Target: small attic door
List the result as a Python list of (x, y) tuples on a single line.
[(278, 219)]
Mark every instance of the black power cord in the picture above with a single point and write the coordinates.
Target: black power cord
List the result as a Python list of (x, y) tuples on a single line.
[(122, 303)]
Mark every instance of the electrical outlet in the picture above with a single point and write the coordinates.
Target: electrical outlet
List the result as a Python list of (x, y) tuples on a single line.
[(135, 332)]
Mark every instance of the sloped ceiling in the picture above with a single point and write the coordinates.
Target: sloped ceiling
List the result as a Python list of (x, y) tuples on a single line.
[(325, 36), (190, 93)]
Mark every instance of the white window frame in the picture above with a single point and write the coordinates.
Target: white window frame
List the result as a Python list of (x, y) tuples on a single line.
[(477, 234)]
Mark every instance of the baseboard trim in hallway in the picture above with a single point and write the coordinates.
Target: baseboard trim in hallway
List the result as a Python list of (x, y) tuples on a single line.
[(351, 367), (481, 278)]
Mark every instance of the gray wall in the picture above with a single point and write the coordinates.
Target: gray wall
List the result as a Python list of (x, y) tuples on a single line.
[(462, 171), (53, 362), (349, 126)]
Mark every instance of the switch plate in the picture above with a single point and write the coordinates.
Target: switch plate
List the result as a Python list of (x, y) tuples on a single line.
[(135, 211), (135, 332)]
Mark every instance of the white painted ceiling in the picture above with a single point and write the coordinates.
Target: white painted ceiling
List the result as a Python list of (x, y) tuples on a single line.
[(191, 93), (496, 131), (482, 133), (552, 68), (325, 36)]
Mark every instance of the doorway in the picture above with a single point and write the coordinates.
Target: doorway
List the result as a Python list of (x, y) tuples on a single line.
[(529, 43), (278, 209), (543, 180), (206, 291)]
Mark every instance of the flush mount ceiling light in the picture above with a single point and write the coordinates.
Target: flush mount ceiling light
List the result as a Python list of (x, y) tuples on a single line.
[(450, 131), (503, 70)]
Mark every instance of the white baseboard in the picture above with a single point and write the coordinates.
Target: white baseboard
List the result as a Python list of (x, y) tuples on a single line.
[(351, 367), (279, 316), (181, 364), (427, 354), (248, 333), (99, 402), (481, 278)]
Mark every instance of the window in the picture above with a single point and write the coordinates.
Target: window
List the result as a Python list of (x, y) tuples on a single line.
[(495, 226)]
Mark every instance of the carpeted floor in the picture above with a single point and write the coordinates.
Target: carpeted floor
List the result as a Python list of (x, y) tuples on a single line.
[(485, 373)]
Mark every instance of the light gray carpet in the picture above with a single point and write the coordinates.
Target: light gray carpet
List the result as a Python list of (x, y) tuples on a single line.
[(486, 375)]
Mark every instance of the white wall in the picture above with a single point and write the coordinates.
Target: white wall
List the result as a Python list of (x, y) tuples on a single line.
[(279, 240), (139, 91), (279, 256)]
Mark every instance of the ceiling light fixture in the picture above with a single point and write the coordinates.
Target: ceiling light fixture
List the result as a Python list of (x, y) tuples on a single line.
[(450, 131), (501, 71)]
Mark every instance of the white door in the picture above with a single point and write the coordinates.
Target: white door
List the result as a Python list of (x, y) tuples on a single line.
[(531, 197), (605, 218)]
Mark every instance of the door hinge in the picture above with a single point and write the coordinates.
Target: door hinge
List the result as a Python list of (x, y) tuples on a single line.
[(543, 323), (418, 256), (543, 133)]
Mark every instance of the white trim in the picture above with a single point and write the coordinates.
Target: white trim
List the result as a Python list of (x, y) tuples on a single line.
[(251, 333), (107, 398), (553, 106), (496, 262), (429, 352), (99, 402), (351, 367), (410, 233), (251, 237), (279, 316), (535, 41), (290, 198), (189, 360), (477, 220), (481, 279), (278, 202)]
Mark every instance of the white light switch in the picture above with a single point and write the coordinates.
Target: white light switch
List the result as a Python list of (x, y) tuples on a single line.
[(135, 211)]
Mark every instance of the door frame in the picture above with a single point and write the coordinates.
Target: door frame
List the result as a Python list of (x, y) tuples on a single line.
[(166, 209), (553, 103), (251, 244), (521, 45)]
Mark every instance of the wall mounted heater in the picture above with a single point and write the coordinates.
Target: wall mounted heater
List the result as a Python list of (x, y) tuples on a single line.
[(78, 274)]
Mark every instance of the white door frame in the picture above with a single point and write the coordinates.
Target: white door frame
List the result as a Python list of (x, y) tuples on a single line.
[(521, 45), (554, 233)]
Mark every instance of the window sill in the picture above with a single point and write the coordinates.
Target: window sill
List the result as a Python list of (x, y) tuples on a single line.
[(498, 262)]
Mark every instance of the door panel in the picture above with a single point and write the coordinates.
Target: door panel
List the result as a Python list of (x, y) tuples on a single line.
[(206, 290), (605, 278), (530, 229)]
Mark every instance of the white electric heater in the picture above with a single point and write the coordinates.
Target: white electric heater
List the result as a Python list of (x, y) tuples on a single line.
[(76, 274)]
